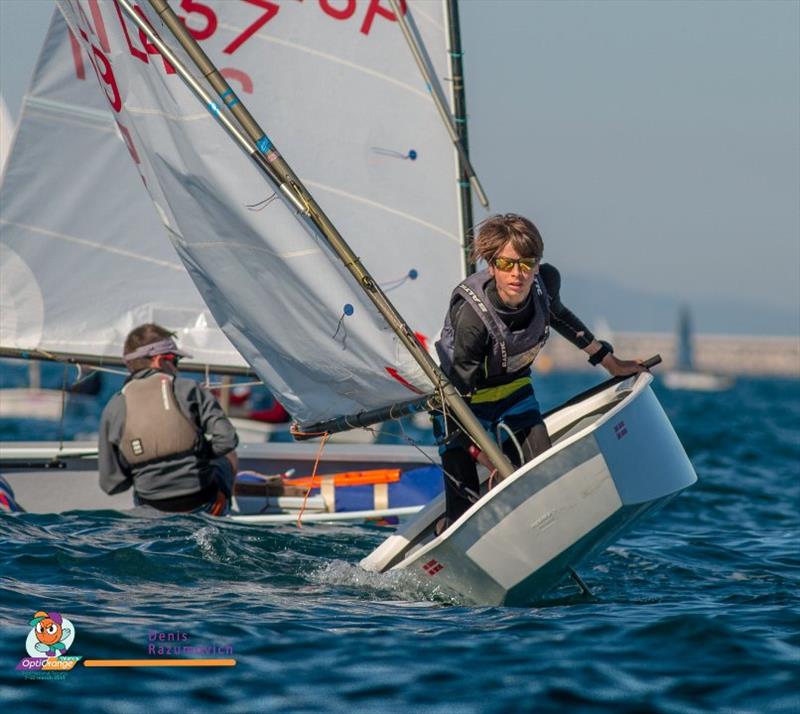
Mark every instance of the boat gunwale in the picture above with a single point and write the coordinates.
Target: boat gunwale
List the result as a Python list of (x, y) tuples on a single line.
[(637, 388)]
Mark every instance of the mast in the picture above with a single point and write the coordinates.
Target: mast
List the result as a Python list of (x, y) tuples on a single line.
[(455, 58), (273, 166), (685, 358)]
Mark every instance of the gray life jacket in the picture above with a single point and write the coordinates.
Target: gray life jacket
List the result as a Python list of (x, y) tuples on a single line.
[(511, 351), (155, 427)]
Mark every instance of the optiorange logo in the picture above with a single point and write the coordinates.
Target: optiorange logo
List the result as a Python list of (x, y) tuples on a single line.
[(51, 635)]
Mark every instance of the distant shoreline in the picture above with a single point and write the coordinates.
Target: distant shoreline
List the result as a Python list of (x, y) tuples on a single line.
[(754, 355)]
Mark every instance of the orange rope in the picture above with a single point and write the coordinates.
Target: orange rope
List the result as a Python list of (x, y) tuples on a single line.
[(296, 432), (313, 476)]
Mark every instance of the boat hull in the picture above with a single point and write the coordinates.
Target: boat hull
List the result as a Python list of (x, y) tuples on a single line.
[(49, 479), (697, 381), (24, 403), (521, 539)]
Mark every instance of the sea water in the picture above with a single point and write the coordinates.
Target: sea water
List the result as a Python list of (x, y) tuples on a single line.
[(696, 610)]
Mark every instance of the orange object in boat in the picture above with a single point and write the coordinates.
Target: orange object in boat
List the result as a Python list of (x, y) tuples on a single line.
[(348, 478)]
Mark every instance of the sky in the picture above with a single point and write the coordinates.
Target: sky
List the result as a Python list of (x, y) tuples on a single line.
[(655, 144)]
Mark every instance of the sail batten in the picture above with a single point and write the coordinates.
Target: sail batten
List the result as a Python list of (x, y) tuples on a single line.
[(388, 209), (100, 116), (341, 62), (94, 245)]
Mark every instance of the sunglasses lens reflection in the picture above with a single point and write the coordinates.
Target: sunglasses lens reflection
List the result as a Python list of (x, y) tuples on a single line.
[(506, 265)]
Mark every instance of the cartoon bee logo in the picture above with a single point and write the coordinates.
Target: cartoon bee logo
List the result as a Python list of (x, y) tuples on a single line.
[(51, 635)]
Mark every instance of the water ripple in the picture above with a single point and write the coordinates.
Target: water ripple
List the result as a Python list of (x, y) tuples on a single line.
[(694, 611)]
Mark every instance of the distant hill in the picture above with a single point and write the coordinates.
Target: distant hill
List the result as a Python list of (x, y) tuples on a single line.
[(595, 299)]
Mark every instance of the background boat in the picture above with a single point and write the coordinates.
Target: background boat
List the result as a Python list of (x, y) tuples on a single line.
[(684, 375)]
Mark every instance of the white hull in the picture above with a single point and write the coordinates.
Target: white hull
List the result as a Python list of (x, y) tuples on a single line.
[(615, 457), (25, 403), (697, 381)]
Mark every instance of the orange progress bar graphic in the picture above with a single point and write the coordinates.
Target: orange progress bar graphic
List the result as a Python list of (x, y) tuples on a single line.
[(159, 663)]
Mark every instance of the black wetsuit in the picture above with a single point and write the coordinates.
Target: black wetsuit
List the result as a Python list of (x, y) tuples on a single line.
[(472, 344), (472, 337)]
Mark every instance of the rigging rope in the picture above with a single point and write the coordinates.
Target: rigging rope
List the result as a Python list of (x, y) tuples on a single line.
[(324, 436), (261, 205), (470, 494), (512, 436)]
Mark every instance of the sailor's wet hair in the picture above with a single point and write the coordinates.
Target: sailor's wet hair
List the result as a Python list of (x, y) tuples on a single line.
[(496, 231)]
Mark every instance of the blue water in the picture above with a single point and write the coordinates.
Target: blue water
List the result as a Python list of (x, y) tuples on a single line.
[(694, 611)]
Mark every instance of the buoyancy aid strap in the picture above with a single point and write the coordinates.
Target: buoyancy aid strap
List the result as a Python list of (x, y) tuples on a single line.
[(495, 394), (486, 315)]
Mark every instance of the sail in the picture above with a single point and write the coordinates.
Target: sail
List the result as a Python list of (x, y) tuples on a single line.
[(83, 255), (340, 95), (6, 132)]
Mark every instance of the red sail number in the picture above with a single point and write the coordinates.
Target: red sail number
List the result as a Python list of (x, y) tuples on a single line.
[(270, 10), (345, 12), (204, 11), (106, 74)]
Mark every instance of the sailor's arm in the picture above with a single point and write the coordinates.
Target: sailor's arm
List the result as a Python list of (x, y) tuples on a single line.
[(115, 474), (215, 424), (601, 352), (567, 324), (562, 319)]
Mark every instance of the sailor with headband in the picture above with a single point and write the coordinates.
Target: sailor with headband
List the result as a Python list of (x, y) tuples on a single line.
[(165, 435), (162, 347)]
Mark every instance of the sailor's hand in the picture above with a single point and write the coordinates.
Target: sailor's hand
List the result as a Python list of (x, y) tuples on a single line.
[(622, 367)]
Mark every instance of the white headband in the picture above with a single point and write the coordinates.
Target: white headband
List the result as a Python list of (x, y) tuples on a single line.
[(162, 347)]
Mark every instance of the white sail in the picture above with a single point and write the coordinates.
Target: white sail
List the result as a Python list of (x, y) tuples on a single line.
[(343, 100), (6, 132), (83, 255)]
